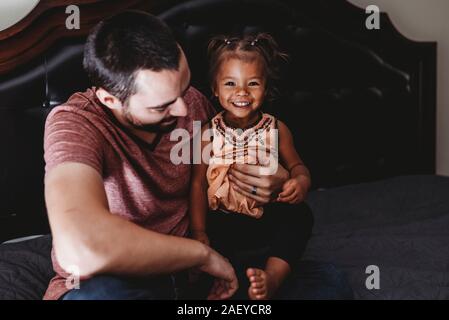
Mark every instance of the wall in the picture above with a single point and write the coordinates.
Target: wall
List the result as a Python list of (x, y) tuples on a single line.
[(12, 11)]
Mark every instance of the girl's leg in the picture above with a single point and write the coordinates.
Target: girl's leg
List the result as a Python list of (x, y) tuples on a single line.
[(287, 229), (240, 239), (308, 279)]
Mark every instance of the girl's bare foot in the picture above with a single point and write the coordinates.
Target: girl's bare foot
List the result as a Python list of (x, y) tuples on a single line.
[(262, 284)]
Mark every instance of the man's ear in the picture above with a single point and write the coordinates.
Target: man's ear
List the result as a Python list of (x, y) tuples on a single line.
[(109, 100)]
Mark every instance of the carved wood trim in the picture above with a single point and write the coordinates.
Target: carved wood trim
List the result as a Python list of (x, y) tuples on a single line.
[(45, 24)]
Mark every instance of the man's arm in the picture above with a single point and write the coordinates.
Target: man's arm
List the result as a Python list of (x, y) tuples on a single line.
[(87, 235)]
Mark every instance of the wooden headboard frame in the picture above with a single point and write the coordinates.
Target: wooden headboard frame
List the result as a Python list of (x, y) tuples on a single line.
[(46, 24)]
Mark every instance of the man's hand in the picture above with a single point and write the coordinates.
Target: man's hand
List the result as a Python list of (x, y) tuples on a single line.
[(225, 284), (246, 179), (202, 237), (292, 192)]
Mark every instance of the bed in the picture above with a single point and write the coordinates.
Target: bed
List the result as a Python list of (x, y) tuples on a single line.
[(361, 105)]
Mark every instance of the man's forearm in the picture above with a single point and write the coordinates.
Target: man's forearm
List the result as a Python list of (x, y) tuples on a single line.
[(117, 246)]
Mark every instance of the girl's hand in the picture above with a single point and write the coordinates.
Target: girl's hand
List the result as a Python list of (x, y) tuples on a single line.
[(292, 192), (201, 236)]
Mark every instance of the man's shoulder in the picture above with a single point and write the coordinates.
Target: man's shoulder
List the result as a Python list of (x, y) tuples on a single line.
[(199, 105), (74, 108), (194, 94)]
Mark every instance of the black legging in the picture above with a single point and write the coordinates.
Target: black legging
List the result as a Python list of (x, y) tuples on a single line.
[(283, 232)]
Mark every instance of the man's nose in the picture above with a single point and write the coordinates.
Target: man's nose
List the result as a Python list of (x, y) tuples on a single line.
[(179, 108)]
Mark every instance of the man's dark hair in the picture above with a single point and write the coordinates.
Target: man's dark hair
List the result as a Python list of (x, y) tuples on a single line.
[(120, 46)]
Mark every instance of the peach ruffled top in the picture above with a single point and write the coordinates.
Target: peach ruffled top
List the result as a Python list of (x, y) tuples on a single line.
[(254, 145)]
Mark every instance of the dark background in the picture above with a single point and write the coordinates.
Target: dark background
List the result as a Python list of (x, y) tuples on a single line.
[(360, 103)]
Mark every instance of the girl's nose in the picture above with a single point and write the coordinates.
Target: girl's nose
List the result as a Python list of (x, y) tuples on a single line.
[(241, 91)]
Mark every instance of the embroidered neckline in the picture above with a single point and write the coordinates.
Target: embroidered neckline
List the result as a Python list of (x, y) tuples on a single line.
[(252, 125)]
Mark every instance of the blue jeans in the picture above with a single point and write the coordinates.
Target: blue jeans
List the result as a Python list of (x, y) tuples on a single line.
[(106, 287), (309, 280)]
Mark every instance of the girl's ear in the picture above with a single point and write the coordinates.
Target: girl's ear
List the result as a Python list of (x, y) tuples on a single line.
[(214, 91)]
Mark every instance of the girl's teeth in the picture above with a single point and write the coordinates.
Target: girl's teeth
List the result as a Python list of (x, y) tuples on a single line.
[(241, 104)]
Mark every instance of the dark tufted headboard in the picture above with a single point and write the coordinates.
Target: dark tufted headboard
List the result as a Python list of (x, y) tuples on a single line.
[(360, 103)]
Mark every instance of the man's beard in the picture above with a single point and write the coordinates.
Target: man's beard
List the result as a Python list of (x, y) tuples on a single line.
[(165, 125)]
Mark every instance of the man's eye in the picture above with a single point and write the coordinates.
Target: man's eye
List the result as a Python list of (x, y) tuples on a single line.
[(158, 109)]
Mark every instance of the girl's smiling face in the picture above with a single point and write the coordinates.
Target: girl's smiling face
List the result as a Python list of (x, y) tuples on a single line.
[(240, 87)]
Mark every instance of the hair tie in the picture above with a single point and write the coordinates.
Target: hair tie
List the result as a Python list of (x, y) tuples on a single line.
[(227, 41), (254, 42)]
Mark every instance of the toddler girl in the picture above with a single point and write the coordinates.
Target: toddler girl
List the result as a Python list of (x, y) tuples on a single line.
[(263, 242)]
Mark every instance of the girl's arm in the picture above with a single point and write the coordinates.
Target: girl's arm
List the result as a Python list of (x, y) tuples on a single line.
[(294, 189), (198, 196)]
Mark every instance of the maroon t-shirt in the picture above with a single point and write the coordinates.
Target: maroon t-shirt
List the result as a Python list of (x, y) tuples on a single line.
[(141, 182)]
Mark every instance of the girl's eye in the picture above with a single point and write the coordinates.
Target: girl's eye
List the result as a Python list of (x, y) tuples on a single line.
[(253, 83), (229, 83)]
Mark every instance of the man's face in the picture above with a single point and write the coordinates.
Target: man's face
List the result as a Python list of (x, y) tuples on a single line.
[(158, 102)]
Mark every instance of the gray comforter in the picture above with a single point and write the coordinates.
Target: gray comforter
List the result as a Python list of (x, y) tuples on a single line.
[(400, 225)]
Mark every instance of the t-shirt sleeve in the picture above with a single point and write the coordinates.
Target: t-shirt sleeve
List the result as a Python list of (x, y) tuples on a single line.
[(70, 137), (204, 110)]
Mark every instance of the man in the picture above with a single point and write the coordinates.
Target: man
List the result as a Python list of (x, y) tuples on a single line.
[(116, 203)]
